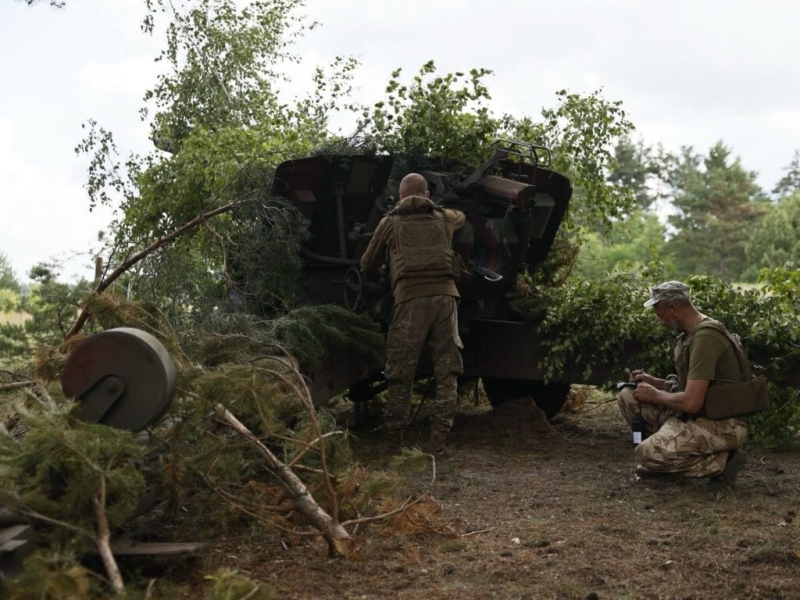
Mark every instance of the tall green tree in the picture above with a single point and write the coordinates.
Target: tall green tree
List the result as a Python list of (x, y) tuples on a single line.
[(789, 183), (581, 131), (8, 279), (51, 304), (717, 202), (632, 244), (775, 239), (637, 167), (41, 316), (214, 111), (220, 125), (13, 341)]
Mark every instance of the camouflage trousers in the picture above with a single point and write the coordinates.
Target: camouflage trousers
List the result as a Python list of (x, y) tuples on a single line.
[(432, 320), (680, 444)]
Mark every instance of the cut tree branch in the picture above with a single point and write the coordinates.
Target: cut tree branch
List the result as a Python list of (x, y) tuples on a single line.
[(15, 385), (129, 262), (339, 541), (103, 540)]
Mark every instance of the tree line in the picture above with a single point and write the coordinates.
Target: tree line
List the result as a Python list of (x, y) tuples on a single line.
[(719, 221)]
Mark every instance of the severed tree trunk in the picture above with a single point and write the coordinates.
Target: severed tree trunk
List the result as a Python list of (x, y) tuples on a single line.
[(103, 540), (339, 541)]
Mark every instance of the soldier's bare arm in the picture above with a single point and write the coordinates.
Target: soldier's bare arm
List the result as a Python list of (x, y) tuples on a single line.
[(689, 401)]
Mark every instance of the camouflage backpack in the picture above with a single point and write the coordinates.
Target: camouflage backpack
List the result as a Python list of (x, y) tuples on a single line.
[(421, 247)]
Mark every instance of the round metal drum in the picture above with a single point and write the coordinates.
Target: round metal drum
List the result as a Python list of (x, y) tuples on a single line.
[(123, 378)]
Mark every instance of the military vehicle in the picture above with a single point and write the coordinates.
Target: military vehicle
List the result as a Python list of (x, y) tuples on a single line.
[(514, 204)]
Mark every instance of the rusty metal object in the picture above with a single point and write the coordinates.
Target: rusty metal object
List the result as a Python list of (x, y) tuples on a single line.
[(123, 378)]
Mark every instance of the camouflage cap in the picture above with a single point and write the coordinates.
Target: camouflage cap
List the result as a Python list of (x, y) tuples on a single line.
[(668, 291)]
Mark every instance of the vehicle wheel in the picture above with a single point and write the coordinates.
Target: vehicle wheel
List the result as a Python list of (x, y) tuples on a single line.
[(550, 397), (353, 289)]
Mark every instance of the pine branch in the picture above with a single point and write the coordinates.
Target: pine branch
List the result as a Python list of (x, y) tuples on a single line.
[(304, 394), (311, 446), (404, 507), (40, 517)]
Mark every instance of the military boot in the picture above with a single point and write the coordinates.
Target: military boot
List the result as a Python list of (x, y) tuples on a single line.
[(437, 444), (727, 479)]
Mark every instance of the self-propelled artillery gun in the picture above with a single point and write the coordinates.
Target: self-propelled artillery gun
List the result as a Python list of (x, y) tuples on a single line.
[(514, 204)]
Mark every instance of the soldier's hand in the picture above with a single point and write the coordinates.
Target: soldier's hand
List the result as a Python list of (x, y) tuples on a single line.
[(640, 376), (645, 392)]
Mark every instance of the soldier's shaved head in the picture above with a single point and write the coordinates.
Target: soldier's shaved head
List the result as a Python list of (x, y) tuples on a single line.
[(413, 184)]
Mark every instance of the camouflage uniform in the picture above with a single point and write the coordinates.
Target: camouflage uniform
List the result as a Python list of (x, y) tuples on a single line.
[(425, 310), (681, 444), (431, 318)]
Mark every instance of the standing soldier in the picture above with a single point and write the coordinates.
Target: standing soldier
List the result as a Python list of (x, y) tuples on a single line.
[(416, 236)]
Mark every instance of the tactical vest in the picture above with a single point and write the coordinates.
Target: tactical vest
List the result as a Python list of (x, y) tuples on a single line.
[(682, 349), (725, 400), (421, 247)]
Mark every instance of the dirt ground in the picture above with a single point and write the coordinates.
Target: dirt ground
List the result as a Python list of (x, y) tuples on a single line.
[(536, 510)]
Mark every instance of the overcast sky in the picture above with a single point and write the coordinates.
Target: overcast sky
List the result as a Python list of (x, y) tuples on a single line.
[(689, 72)]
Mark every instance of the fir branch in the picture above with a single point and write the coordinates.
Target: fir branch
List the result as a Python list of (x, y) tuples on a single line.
[(307, 469), (40, 517), (311, 446), (304, 394), (16, 385)]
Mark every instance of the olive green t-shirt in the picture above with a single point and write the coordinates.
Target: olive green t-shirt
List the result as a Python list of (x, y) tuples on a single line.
[(712, 358)]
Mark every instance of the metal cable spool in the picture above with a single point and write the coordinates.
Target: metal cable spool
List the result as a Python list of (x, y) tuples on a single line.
[(123, 377)]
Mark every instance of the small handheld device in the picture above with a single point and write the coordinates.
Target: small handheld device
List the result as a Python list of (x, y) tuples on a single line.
[(625, 384), (638, 428)]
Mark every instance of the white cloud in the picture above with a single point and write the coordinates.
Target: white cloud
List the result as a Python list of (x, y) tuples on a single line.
[(688, 73), (45, 214), (128, 77)]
